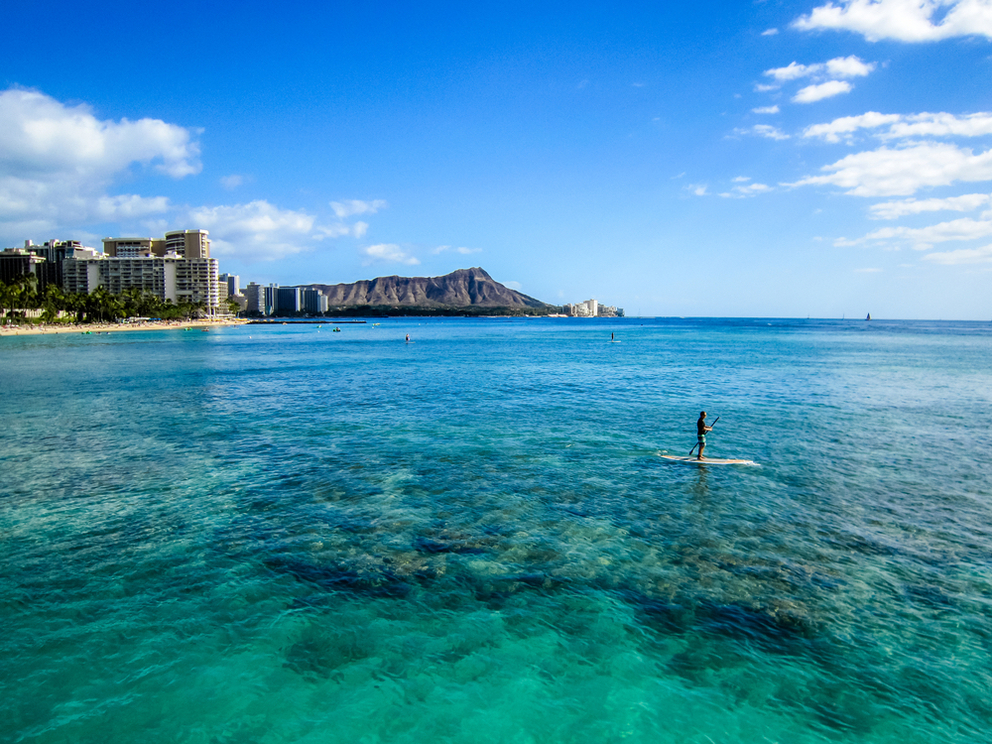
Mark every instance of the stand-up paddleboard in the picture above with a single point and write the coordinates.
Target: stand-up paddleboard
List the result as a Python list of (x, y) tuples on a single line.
[(693, 460)]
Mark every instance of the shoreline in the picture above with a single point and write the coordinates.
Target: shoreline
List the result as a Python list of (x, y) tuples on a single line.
[(73, 328)]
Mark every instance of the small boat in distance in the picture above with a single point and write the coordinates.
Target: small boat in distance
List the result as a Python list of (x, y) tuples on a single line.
[(869, 317)]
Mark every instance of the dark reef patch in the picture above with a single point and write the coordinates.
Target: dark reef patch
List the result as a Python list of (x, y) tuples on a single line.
[(377, 583)]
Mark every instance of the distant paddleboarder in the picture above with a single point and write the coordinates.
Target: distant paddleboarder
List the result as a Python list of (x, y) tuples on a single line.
[(408, 338), (701, 429)]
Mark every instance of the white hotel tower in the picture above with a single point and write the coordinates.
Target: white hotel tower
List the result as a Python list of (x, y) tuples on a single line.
[(176, 268)]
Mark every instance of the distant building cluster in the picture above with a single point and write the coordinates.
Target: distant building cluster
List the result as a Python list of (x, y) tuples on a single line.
[(177, 268), (42, 261), (592, 309), (271, 299)]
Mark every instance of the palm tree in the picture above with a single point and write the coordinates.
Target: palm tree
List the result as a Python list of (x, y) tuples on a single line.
[(6, 294), (19, 293), (53, 302), (189, 309), (94, 304)]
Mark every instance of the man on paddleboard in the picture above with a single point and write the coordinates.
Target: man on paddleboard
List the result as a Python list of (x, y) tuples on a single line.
[(701, 429)]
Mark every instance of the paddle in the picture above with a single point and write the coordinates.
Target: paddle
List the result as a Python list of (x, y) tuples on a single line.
[(697, 443)]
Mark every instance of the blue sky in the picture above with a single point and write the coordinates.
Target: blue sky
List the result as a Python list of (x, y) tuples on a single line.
[(707, 159)]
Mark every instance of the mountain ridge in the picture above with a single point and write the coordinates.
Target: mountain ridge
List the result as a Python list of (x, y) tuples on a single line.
[(472, 287)]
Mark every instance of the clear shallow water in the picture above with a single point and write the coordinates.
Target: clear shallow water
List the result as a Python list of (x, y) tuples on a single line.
[(285, 535)]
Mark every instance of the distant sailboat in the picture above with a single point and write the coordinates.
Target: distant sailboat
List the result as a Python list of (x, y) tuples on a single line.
[(869, 317)]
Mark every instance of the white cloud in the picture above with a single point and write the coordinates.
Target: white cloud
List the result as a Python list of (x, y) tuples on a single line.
[(903, 171), (42, 135), (867, 271), (759, 88), (827, 77), (899, 126), (942, 125), (819, 91), (351, 207), (769, 32), (58, 162), (340, 229), (699, 189), (742, 192), (514, 285), (962, 256), (765, 110), (849, 67), (895, 209), (764, 130), (388, 253), (770, 132), (129, 206), (922, 238), (741, 179), (232, 182), (794, 71), (902, 20), (839, 67), (256, 231), (847, 125)]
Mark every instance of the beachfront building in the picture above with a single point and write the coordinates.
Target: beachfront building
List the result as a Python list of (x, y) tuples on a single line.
[(188, 244), (177, 268), (587, 309), (43, 261), (592, 309), (54, 252), (271, 299), (260, 299), (17, 262), (314, 301), (288, 300), (230, 290), (233, 282)]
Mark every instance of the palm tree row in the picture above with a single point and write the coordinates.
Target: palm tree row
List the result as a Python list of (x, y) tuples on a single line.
[(99, 305)]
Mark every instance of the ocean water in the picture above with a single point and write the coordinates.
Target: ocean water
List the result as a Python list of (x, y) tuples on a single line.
[(286, 534)]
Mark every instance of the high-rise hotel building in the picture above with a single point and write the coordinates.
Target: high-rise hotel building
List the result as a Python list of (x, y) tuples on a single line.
[(176, 268)]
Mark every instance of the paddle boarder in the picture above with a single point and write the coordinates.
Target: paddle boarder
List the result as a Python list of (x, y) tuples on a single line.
[(701, 429)]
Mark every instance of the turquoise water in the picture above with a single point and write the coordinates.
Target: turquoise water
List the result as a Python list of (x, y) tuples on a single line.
[(285, 534)]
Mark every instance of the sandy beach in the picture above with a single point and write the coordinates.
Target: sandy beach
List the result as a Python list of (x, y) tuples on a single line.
[(31, 329)]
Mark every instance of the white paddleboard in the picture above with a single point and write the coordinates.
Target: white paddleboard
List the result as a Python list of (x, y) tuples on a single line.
[(693, 460)]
